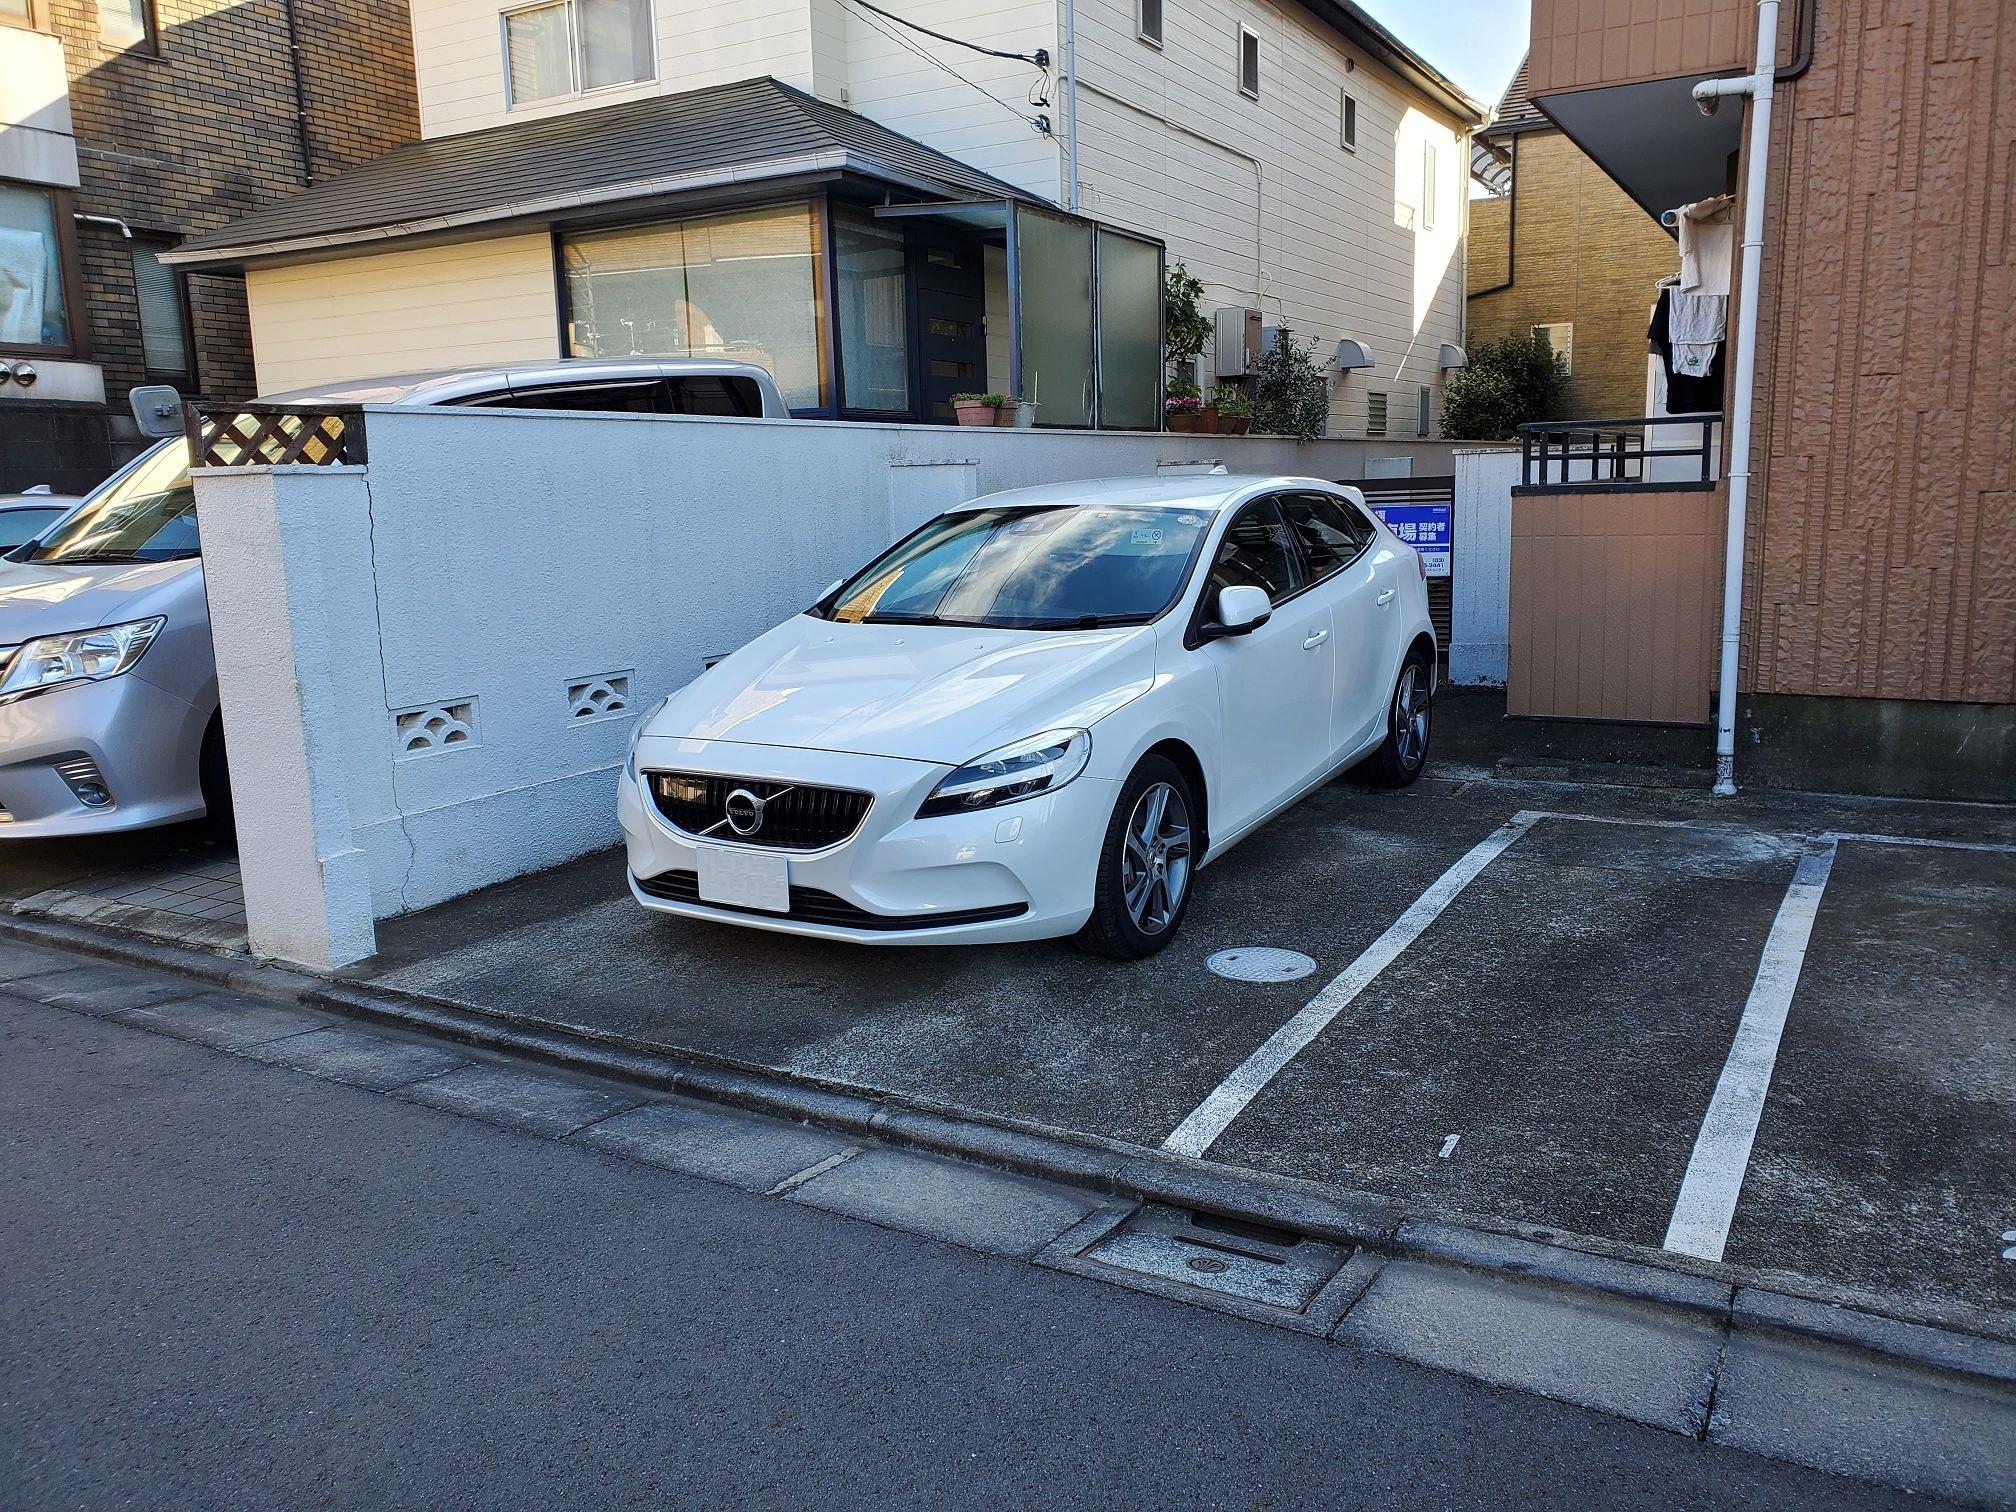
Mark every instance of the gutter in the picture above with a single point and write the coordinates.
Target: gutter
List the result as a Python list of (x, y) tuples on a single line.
[(1360, 28), (664, 184)]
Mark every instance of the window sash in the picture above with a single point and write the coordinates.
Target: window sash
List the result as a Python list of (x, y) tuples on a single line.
[(1148, 21), (39, 296), (126, 25), (1249, 62), (164, 315), (590, 44), (1347, 137), (1428, 186)]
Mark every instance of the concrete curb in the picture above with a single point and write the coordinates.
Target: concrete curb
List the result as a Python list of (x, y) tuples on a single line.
[(1109, 1167)]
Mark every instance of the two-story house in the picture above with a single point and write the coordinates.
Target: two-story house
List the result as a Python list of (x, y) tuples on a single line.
[(126, 126), (888, 203)]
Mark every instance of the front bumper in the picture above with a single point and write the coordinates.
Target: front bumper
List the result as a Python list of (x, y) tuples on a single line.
[(1020, 872), (146, 745)]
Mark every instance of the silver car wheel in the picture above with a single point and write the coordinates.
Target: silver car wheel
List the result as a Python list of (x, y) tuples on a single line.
[(1410, 716), (1155, 860)]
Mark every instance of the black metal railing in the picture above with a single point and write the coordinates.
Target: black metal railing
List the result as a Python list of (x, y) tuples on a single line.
[(273, 435), (1581, 454)]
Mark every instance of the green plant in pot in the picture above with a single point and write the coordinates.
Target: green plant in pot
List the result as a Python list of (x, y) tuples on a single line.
[(1184, 408), (977, 409), (1186, 329), (1235, 412)]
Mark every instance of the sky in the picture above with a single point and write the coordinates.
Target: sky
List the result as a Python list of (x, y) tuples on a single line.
[(1478, 43)]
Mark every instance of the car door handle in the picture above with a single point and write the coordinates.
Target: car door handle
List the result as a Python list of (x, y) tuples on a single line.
[(1314, 639), (1384, 599)]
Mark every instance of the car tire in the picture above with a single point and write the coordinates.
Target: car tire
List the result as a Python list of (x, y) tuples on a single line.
[(213, 773), (1145, 879), (1409, 724)]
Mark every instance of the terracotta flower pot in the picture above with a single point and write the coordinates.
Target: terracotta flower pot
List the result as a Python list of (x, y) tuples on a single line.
[(1207, 420), (1184, 421), (970, 413), (1234, 425)]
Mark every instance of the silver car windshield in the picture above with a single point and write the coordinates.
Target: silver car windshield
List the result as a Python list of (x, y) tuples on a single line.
[(148, 515), (1061, 568)]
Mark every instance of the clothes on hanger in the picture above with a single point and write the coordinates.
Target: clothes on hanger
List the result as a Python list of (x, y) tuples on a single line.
[(1696, 326), (1687, 393), (1707, 246)]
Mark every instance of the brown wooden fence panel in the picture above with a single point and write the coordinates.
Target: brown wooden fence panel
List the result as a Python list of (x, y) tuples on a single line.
[(1615, 604)]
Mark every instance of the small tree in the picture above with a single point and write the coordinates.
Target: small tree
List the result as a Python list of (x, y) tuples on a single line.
[(1509, 382), (1186, 330), (1291, 395)]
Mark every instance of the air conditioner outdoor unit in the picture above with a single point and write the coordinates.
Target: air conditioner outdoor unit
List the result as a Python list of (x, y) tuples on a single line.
[(1237, 348)]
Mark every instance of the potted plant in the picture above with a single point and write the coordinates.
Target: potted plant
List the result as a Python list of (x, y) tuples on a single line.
[(977, 409), (1235, 413), (1184, 412), (1186, 329), (1016, 412), (1207, 417)]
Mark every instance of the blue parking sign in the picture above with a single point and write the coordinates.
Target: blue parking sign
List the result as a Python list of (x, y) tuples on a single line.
[(1428, 528)]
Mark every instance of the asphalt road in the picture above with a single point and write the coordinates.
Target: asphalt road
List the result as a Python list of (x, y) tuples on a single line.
[(223, 1283)]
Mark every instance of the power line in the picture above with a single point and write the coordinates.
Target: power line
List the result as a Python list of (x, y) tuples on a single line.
[(1037, 124), (1040, 57)]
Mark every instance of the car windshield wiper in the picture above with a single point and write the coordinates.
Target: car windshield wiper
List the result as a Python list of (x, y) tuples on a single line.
[(1080, 622), (919, 619)]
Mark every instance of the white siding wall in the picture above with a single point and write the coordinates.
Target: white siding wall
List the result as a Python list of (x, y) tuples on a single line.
[(1259, 198), (455, 306)]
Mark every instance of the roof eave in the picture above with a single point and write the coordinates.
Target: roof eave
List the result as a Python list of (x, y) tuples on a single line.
[(1361, 29)]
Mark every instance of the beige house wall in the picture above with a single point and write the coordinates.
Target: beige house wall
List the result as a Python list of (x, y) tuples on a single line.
[(1585, 254)]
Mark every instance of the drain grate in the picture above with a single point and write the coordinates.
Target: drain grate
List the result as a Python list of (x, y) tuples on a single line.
[(1260, 963)]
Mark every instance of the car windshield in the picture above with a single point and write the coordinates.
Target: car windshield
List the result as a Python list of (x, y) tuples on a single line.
[(149, 515), (1066, 567)]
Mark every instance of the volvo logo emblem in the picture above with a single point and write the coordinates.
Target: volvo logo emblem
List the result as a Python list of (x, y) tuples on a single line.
[(744, 811)]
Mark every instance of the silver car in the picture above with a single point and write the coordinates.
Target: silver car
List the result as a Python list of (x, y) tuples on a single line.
[(108, 687)]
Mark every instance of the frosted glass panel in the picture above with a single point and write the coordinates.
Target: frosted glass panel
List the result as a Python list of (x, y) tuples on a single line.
[(874, 315), (1054, 269), (539, 53), (743, 286), (1130, 333)]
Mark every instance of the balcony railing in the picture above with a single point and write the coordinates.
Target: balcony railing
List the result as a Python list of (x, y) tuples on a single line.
[(1647, 452)]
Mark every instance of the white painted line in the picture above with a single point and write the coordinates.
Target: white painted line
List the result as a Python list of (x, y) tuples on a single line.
[(1210, 1118), (1972, 845), (1715, 1171), (1449, 1146)]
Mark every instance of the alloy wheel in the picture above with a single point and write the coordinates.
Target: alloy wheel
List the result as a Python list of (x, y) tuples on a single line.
[(1155, 860), (1410, 716)]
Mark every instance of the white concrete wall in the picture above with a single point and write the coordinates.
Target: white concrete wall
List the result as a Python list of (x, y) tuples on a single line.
[(489, 559), (461, 305), (37, 145), (1259, 199), (1481, 579)]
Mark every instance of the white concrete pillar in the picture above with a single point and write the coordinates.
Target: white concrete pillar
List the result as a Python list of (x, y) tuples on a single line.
[(287, 568)]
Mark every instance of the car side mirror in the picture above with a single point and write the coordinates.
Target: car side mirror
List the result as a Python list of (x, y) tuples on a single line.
[(1241, 610), (157, 410)]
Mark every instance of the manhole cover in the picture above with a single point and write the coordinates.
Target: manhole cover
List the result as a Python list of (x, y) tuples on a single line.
[(1260, 963)]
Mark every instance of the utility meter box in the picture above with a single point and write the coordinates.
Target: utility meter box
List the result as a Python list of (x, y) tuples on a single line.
[(1237, 348)]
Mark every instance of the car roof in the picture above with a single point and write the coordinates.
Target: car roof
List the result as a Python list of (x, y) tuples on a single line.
[(444, 385), (1210, 491)]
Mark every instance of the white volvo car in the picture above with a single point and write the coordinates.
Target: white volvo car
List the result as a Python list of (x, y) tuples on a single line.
[(1038, 715)]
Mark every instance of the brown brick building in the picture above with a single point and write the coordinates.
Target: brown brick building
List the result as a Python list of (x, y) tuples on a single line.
[(171, 117), (1564, 247)]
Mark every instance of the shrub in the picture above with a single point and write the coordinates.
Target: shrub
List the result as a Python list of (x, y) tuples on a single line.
[(1509, 382), (1291, 394), (1186, 330)]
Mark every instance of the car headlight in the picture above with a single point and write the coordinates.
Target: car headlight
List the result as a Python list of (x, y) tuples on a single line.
[(1027, 769), (85, 656), (637, 733)]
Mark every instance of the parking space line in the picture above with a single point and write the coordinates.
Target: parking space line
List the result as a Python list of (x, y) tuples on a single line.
[(1967, 845), (1715, 1171), (1210, 1118)]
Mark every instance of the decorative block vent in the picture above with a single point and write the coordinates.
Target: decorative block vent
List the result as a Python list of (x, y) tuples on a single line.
[(598, 697), (434, 727)]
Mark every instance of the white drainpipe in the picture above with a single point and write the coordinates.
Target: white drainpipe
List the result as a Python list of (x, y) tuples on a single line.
[(1758, 87), (1071, 105)]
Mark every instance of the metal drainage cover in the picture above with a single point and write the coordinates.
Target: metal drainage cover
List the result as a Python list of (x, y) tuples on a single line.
[(1279, 1271), (1260, 963)]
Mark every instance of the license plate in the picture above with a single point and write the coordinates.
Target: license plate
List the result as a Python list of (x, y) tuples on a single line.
[(745, 878)]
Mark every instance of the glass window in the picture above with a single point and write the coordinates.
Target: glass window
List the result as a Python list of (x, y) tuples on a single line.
[(164, 329), (1348, 131), (124, 24), (615, 42), (20, 526), (1428, 186), (1054, 268), (1332, 533), (539, 52), (1424, 411), (1255, 553), (574, 45), (1061, 568), (874, 296), (32, 312), (1249, 62), (147, 516), (21, 13), (1148, 21), (1130, 333), (743, 285)]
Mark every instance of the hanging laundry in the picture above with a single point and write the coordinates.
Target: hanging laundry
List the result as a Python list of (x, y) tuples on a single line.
[(1707, 246), (1686, 393), (1696, 326)]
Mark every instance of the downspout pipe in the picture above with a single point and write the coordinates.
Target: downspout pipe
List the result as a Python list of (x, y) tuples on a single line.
[(1071, 105), (1707, 94)]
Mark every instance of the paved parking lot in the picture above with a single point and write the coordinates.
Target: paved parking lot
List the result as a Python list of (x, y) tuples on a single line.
[(1774, 1030)]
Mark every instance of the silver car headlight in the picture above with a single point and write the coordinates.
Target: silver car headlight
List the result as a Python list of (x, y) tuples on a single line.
[(54, 661), (1027, 769), (637, 734)]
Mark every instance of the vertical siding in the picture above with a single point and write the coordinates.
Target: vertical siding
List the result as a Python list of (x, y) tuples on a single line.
[(1882, 555), (1259, 198), (1584, 44), (454, 306)]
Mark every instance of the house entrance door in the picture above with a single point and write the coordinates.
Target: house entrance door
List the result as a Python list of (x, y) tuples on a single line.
[(951, 321)]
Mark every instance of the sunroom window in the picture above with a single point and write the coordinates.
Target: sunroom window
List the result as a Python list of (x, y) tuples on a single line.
[(32, 309), (567, 47)]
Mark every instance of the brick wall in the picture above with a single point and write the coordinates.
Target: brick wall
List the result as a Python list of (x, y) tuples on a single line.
[(206, 131), (1584, 252), (1882, 554)]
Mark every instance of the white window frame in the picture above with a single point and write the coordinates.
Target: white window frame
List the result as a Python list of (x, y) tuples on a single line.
[(1560, 336), (1347, 120), (1239, 62), (1141, 32), (1428, 186), (511, 102)]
